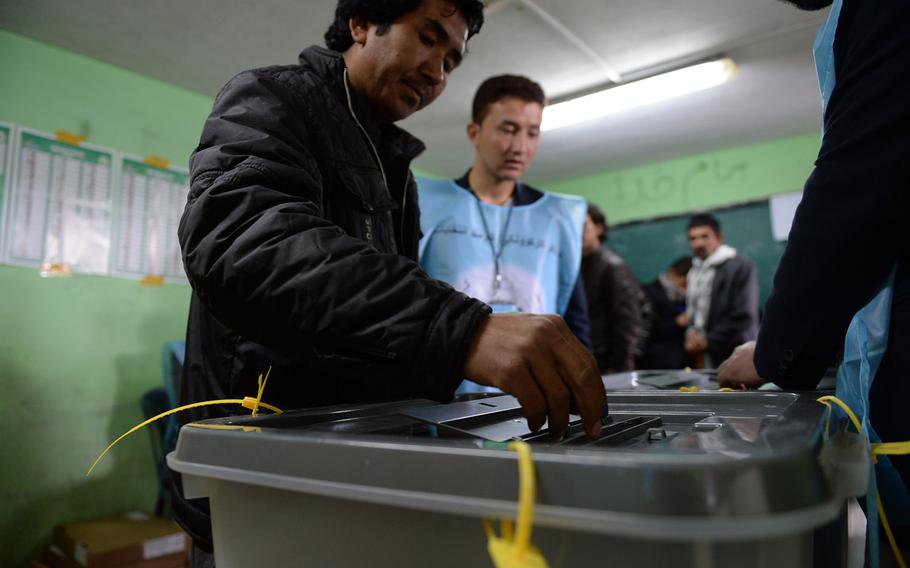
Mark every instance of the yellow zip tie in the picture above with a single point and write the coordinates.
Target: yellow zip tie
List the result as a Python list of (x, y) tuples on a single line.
[(261, 389), (891, 448), (516, 551), (247, 402), (884, 448)]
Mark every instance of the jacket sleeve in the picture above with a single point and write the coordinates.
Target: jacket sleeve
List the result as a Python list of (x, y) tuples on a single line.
[(624, 320), (261, 254), (851, 226), (738, 321)]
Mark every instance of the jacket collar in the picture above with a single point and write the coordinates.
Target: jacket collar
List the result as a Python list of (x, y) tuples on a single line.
[(329, 65), (523, 195)]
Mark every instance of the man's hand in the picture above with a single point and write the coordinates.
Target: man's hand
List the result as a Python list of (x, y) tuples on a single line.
[(696, 342), (739, 371), (536, 359), (682, 320)]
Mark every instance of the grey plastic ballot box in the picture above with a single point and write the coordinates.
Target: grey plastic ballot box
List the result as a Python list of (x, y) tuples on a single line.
[(706, 480)]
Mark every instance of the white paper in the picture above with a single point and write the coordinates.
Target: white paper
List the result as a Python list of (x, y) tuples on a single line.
[(151, 201), (783, 209), (162, 546), (60, 205)]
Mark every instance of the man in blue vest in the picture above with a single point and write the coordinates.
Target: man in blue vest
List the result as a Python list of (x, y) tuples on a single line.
[(854, 207), (495, 238)]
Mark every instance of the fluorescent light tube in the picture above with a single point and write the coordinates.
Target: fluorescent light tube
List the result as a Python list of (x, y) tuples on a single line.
[(639, 93)]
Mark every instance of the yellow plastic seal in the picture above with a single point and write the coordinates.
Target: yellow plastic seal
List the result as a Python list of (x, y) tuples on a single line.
[(249, 402), (513, 549)]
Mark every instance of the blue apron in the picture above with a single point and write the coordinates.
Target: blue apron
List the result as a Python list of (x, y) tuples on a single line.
[(524, 258), (866, 342), (537, 246)]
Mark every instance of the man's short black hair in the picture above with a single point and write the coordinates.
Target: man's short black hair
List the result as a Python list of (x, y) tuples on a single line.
[(500, 87), (681, 266), (704, 220), (598, 218), (384, 13)]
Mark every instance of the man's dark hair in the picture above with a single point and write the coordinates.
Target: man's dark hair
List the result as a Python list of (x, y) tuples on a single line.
[(500, 87), (599, 219), (704, 220), (384, 13), (681, 266)]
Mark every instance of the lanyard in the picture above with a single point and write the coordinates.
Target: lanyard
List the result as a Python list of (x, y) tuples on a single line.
[(497, 254)]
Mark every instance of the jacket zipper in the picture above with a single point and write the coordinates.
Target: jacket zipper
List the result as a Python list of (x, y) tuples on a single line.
[(375, 153), (404, 202)]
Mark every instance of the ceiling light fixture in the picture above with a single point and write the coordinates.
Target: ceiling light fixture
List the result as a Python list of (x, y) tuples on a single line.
[(639, 93)]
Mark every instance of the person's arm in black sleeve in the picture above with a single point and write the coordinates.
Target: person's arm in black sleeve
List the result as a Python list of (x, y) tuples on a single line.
[(740, 318), (577, 314), (624, 320), (261, 254), (852, 222)]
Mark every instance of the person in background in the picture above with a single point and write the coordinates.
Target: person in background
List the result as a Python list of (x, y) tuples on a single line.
[(300, 236), (614, 299), (665, 319), (722, 294), (494, 237), (854, 206)]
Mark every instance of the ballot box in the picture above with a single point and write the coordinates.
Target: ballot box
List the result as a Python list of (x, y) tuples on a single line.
[(706, 479)]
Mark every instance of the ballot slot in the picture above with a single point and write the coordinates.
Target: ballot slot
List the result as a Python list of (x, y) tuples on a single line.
[(500, 419)]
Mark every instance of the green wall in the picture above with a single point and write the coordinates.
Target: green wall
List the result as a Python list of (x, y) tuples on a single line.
[(648, 206), (77, 353), (704, 181)]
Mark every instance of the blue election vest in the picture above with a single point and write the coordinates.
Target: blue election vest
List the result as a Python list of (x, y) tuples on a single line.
[(866, 341), (536, 247)]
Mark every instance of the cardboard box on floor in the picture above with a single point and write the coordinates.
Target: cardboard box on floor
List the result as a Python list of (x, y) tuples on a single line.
[(133, 540)]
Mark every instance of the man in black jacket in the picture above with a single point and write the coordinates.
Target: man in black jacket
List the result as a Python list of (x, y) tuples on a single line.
[(721, 294), (300, 237), (614, 298)]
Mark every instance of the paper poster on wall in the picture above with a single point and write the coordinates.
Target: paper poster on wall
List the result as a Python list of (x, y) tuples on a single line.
[(6, 159), (150, 201), (60, 206)]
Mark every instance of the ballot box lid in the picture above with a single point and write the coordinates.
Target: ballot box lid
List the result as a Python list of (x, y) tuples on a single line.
[(669, 465)]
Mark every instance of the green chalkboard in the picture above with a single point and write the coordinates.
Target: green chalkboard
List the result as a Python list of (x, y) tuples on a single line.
[(650, 246)]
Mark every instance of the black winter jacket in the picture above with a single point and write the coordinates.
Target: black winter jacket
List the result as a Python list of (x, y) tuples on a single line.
[(664, 347), (614, 308), (300, 241), (733, 317)]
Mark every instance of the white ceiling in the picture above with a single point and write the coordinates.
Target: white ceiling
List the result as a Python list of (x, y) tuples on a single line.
[(199, 44)]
